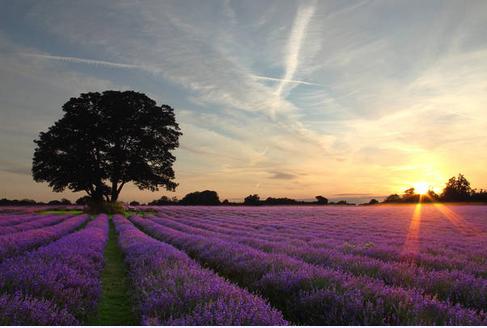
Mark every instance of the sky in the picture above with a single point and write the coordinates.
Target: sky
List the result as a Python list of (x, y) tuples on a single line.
[(346, 99)]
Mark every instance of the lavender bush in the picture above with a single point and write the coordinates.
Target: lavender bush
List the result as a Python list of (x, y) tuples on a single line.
[(13, 219), (34, 223), (171, 289), (18, 310), (283, 280), (16, 243), (62, 277), (450, 285)]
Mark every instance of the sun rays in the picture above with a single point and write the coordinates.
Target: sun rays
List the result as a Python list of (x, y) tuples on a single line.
[(411, 244), (455, 219), (412, 241)]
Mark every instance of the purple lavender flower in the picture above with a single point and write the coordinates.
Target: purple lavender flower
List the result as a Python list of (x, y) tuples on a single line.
[(282, 279), (16, 243), (19, 310), (8, 220), (172, 289), (34, 223), (65, 272)]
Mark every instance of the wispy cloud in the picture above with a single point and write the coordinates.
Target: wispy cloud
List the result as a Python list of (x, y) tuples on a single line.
[(298, 34)]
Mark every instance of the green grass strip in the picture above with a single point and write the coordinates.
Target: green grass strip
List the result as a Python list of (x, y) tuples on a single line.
[(115, 307)]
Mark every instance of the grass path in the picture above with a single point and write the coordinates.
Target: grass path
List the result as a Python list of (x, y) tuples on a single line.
[(115, 307)]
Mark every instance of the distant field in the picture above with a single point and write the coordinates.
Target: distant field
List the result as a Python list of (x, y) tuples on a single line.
[(317, 265)]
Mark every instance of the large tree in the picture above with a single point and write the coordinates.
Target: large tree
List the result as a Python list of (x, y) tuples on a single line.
[(105, 140)]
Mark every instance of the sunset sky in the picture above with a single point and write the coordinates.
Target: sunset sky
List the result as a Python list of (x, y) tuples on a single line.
[(281, 98)]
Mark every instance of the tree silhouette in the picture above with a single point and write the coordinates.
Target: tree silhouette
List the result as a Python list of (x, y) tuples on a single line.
[(252, 200), (206, 197), (320, 200), (409, 192), (83, 200), (394, 198), (164, 200), (280, 201), (457, 189), (431, 196), (410, 196), (105, 140)]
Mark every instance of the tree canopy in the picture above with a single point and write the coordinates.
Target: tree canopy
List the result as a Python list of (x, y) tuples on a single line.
[(105, 140), (321, 200), (457, 189), (252, 200)]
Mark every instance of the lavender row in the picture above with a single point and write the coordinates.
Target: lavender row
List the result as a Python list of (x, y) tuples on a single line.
[(350, 228), (41, 222), (349, 224), (454, 286), (476, 265), (17, 243), (309, 294), (19, 309), (58, 283), (172, 289), (8, 220)]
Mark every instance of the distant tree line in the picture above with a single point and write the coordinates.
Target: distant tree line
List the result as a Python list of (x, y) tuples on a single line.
[(209, 197), (457, 190), (31, 202), (254, 200)]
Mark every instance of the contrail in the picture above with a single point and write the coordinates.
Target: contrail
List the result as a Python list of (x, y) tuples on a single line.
[(298, 33), (259, 77), (84, 61)]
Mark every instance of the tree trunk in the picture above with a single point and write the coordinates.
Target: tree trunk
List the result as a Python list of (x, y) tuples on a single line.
[(114, 191)]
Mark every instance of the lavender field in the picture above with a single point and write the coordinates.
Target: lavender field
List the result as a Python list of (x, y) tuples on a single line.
[(312, 265)]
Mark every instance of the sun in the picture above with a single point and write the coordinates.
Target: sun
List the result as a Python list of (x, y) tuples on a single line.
[(421, 188)]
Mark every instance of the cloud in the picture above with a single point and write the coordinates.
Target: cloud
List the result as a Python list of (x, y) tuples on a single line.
[(353, 195), (282, 176), (14, 167)]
